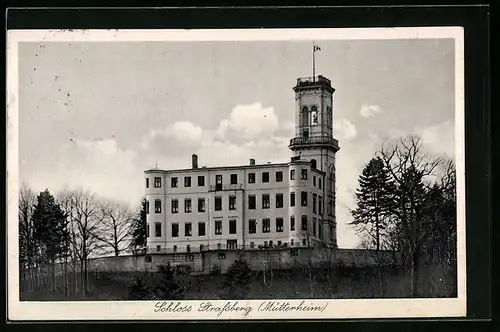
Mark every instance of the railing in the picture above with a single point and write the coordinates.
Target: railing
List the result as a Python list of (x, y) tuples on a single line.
[(215, 247), (311, 80), (226, 187), (314, 140)]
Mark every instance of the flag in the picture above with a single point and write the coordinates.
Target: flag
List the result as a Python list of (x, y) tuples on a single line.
[(316, 48)]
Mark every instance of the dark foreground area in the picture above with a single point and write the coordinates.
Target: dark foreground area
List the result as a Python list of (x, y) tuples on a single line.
[(343, 283)]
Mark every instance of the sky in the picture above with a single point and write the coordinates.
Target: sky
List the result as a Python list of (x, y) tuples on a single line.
[(95, 115)]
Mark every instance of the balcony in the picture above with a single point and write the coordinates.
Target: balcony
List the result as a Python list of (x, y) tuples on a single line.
[(226, 187), (312, 80), (314, 140)]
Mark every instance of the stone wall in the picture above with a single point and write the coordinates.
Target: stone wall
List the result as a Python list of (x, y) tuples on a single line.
[(205, 262)]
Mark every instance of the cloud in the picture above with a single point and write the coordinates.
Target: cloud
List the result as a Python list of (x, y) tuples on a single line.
[(345, 129), (369, 110), (439, 138), (249, 121)]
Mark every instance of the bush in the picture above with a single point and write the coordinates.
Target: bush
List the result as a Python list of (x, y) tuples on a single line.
[(167, 286), (237, 280)]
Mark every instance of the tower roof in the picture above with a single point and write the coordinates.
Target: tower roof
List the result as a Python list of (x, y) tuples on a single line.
[(305, 83)]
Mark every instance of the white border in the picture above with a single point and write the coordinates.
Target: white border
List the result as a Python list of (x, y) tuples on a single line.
[(370, 308)]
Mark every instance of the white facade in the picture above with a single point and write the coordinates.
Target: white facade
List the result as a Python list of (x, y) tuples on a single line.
[(251, 206)]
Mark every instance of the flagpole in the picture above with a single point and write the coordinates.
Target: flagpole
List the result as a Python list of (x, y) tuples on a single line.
[(314, 64)]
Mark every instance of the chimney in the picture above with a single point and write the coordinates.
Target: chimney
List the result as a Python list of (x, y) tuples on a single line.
[(195, 161), (252, 161)]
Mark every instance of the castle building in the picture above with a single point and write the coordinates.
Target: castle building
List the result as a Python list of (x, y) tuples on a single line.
[(253, 206)]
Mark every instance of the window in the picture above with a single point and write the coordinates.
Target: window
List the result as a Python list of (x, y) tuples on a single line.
[(294, 252), (320, 231), (147, 182), (157, 182), (291, 243), (232, 244), (279, 176), (266, 201), (232, 202), (202, 247), (158, 248), (265, 177), (187, 181), (175, 248), (304, 242), (221, 254), (201, 229), (147, 207), (232, 226), (314, 203), (279, 201), (188, 229), (148, 259), (320, 183), (292, 174), (292, 199), (188, 249), (320, 205), (252, 245), (175, 206), (218, 203), (234, 178), (201, 205), (314, 180), (201, 181), (218, 182), (303, 198), (147, 230), (252, 226), (158, 229), (218, 227), (252, 202), (251, 177), (304, 223), (304, 116), (303, 174), (175, 230), (173, 182), (314, 116), (157, 206), (314, 226), (292, 223), (279, 224), (313, 163), (187, 205), (266, 225)]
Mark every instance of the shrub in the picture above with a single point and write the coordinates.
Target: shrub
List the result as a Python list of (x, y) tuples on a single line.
[(237, 280)]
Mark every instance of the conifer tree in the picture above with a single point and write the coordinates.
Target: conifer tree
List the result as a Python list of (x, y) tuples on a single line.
[(373, 199), (139, 231)]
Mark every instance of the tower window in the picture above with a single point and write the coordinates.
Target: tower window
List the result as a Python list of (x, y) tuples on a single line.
[(157, 182), (305, 116), (305, 132), (314, 116), (292, 174), (147, 182), (303, 174), (147, 207), (313, 163)]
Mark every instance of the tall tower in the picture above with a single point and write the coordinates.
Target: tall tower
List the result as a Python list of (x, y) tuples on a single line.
[(314, 140)]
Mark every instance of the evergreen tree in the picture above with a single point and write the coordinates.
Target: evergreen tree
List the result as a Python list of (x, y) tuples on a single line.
[(373, 199), (139, 230), (238, 279), (51, 231)]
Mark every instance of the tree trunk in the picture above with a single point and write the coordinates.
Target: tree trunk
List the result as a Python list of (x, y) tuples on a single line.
[(414, 273)]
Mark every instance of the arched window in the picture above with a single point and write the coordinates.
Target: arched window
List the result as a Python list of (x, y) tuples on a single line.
[(314, 116), (313, 163), (304, 116), (330, 117)]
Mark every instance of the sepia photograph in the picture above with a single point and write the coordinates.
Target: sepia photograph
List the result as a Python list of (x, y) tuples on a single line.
[(236, 174)]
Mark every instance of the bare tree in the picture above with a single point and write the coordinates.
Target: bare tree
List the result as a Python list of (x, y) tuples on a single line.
[(409, 167), (85, 212), (27, 241), (115, 230)]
